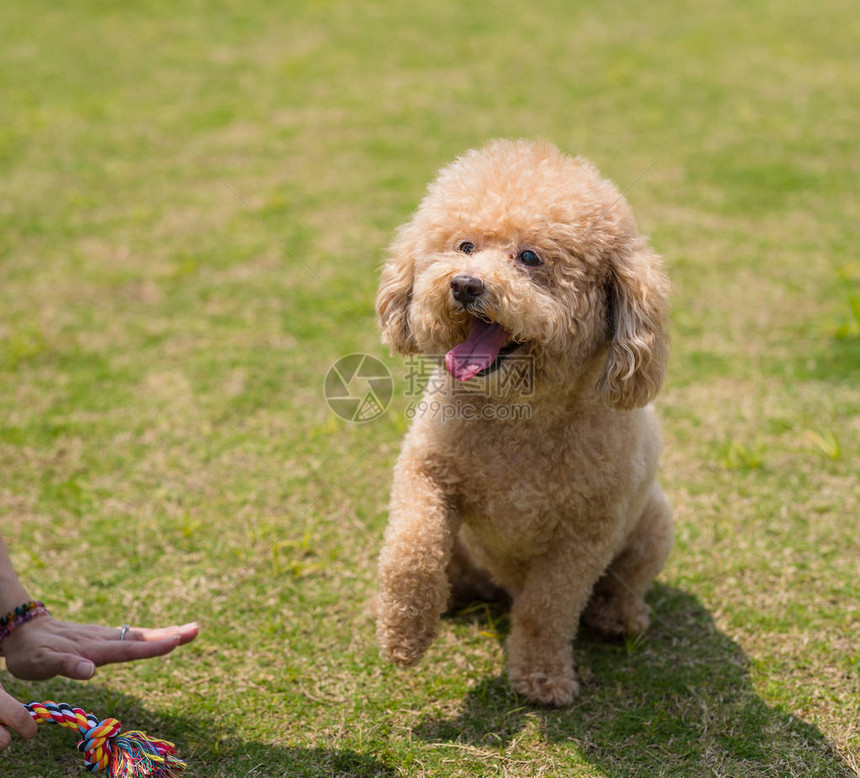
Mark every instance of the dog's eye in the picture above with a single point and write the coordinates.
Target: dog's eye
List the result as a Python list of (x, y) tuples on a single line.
[(529, 258), (466, 247)]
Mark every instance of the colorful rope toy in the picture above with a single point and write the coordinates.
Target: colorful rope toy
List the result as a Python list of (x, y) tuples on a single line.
[(126, 755)]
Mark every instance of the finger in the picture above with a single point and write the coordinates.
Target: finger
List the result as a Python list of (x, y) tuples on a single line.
[(186, 633), (5, 738), (82, 632), (13, 714), (70, 665), (110, 651)]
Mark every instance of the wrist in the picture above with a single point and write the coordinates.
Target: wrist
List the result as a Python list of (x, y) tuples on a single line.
[(14, 620), (12, 594), (12, 591)]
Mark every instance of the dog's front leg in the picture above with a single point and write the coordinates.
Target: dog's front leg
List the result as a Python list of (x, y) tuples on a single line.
[(413, 584), (544, 619)]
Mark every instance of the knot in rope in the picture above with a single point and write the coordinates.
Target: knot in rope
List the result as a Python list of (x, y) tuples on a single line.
[(96, 744)]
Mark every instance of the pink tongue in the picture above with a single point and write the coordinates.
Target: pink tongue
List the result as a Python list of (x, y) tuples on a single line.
[(478, 350)]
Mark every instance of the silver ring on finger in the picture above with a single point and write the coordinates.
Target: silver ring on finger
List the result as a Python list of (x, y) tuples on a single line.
[(122, 630)]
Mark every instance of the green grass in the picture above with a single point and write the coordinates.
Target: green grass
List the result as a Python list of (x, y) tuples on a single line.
[(166, 452)]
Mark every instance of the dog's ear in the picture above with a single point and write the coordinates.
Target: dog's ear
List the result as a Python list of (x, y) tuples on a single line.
[(395, 292), (639, 337)]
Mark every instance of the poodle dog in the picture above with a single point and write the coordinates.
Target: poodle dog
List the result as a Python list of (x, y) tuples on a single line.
[(522, 257)]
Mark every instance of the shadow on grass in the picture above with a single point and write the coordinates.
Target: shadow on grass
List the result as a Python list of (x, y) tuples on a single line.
[(680, 702), (208, 751)]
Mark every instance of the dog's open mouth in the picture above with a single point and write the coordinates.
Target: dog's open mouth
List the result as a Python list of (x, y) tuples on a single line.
[(483, 351)]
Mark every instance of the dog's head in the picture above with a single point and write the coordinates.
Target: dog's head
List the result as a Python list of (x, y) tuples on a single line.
[(518, 248)]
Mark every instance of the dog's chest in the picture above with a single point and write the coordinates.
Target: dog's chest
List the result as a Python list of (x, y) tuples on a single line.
[(519, 497), (525, 491)]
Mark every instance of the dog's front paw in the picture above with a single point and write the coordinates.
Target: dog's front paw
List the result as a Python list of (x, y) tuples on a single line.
[(403, 653), (404, 641), (553, 689), (540, 666)]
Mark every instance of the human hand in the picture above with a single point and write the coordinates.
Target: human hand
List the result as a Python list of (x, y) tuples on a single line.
[(44, 647), (14, 716)]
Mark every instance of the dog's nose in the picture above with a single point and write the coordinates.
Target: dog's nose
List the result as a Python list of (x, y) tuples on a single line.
[(466, 289)]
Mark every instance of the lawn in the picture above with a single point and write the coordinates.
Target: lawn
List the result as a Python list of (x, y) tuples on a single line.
[(196, 200)]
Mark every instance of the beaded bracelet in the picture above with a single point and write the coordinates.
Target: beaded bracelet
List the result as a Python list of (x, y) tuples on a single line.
[(21, 615)]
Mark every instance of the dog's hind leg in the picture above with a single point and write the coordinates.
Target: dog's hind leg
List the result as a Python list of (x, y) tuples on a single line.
[(469, 582), (617, 606)]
